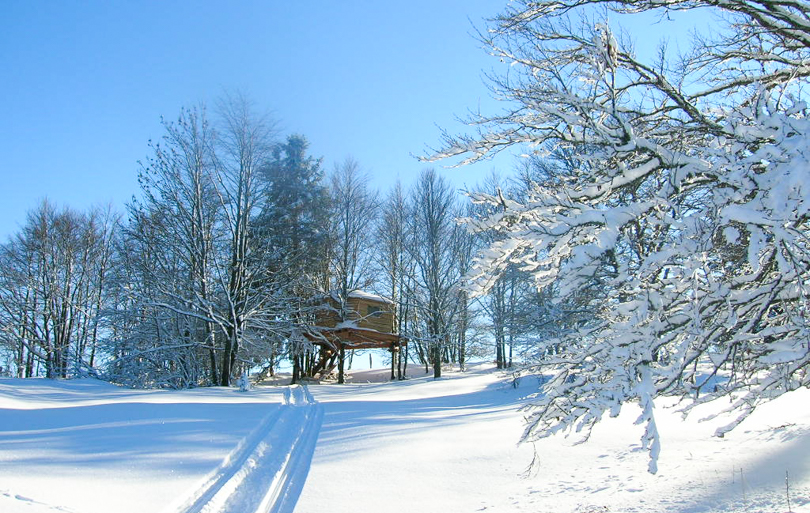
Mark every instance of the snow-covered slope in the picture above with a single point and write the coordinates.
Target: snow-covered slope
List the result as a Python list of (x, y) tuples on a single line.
[(87, 446), (450, 445), (418, 445)]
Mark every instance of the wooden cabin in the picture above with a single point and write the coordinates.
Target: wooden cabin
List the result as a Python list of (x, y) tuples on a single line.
[(368, 322), (364, 311)]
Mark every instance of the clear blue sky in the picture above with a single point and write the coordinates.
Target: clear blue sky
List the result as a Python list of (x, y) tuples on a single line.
[(84, 84)]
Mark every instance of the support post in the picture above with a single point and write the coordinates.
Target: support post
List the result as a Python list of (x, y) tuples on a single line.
[(341, 360), (399, 361), (393, 360)]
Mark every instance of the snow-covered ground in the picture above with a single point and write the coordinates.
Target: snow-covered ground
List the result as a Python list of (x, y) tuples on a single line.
[(418, 445)]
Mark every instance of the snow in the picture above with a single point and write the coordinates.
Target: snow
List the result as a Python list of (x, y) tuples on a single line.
[(359, 294), (87, 446), (416, 445)]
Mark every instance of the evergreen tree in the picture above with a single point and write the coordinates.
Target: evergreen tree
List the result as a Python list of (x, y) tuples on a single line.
[(294, 227)]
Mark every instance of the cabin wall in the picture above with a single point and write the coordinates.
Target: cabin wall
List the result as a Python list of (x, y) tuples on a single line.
[(362, 311), (326, 318), (381, 320)]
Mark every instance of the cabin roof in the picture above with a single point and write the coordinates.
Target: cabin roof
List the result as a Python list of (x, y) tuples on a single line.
[(359, 294)]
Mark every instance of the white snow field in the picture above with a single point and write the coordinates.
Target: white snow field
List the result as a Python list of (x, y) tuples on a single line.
[(420, 445)]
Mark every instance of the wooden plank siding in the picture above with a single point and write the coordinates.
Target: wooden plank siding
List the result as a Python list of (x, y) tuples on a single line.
[(365, 312)]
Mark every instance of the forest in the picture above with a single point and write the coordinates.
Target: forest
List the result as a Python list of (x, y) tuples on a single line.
[(222, 260)]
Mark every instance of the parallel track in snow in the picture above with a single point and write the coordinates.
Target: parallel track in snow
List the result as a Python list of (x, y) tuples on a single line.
[(267, 470)]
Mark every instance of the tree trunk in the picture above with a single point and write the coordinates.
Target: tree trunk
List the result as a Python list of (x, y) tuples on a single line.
[(405, 362), (213, 360), (296, 370), (393, 361), (227, 360), (437, 361)]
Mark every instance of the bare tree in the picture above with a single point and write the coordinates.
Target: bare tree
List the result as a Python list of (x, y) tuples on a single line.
[(246, 148), (463, 245), (53, 286), (394, 262), (179, 198), (354, 212), (432, 225)]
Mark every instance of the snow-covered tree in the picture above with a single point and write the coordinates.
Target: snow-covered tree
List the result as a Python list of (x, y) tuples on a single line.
[(168, 286), (295, 215), (251, 304), (682, 223), (199, 292), (294, 225)]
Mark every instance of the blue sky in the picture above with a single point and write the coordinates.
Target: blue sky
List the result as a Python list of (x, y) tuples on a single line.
[(86, 82)]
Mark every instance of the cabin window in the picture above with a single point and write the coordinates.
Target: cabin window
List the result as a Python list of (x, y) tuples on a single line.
[(374, 311)]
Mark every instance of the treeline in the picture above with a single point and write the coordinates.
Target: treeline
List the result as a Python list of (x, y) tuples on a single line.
[(221, 261)]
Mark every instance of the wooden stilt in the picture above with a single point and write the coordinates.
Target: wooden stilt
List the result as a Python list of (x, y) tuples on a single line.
[(341, 363)]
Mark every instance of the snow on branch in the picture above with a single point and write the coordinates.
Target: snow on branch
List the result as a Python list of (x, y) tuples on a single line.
[(676, 213)]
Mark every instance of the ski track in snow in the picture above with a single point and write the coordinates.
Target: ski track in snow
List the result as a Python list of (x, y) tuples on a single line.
[(5, 494), (267, 470)]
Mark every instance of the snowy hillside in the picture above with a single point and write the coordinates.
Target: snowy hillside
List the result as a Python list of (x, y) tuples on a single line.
[(418, 445)]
